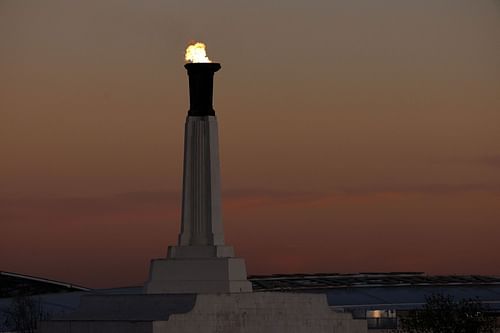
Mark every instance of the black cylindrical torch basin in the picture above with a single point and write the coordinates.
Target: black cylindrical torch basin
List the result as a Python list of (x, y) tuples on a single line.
[(201, 82)]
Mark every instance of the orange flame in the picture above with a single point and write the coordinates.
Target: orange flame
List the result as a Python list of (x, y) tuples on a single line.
[(196, 53)]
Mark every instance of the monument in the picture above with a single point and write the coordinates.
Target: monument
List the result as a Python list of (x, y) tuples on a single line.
[(201, 262), (200, 286)]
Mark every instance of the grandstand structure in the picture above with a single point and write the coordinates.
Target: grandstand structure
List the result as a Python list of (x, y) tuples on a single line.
[(13, 284)]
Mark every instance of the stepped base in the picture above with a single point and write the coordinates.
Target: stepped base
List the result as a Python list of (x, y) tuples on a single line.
[(197, 275)]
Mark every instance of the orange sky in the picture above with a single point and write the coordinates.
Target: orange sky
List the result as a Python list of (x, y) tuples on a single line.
[(355, 135)]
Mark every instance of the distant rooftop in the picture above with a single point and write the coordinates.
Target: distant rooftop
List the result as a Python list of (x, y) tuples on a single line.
[(384, 291), (12, 284), (298, 282)]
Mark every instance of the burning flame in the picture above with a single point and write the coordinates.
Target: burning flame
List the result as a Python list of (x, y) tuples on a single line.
[(196, 53)]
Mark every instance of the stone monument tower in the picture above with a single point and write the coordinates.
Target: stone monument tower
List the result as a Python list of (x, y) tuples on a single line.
[(200, 286), (201, 262)]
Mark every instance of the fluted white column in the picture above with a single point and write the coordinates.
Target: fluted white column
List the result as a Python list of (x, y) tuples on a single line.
[(201, 202)]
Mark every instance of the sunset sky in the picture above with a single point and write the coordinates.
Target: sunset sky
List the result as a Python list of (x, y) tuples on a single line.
[(355, 135)]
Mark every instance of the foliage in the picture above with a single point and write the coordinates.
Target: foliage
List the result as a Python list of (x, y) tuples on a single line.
[(24, 314), (443, 314)]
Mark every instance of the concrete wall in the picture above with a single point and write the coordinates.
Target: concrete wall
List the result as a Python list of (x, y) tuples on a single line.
[(261, 312)]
